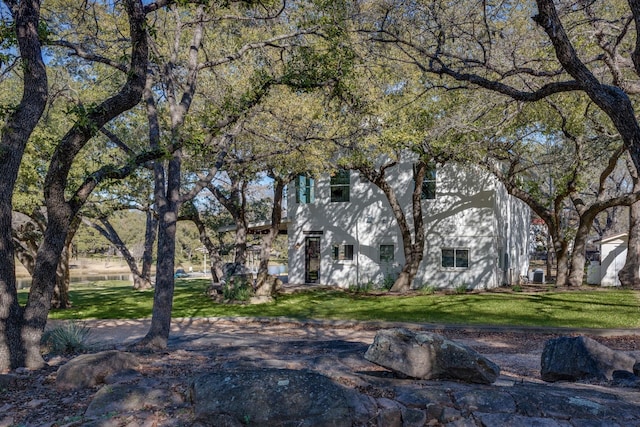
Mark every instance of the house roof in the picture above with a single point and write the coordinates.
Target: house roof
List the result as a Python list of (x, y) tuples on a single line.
[(258, 227), (609, 239)]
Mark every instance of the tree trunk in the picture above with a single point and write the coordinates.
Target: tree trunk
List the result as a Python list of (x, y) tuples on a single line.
[(13, 139), (413, 245), (140, 281), (550, 255), (151, 228), (168, 207), (562, 262), (60, 298), (578, 257), (242, 228), (60, 213), (270, 237), (61, 290)]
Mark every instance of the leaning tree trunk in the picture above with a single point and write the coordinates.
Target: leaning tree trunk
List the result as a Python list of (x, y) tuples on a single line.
[(110, 233)]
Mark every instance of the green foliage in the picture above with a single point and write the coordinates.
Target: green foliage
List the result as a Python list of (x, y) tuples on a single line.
[(70, 338), (237, 289), (516, 288), (362, 287), (462, 288), (427, 289)]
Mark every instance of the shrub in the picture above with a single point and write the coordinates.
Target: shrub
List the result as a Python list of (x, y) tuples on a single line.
[(428, 289), (69, 338), (516, 288), (362, 287), (237, 289), (387, 282), (461, 288)]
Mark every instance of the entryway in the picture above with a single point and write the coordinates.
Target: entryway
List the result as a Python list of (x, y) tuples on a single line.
[(312, 260)]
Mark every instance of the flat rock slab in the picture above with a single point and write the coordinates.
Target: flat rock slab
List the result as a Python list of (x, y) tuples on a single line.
[(123, 398), (270, 397), (90, 370), (425, 355)]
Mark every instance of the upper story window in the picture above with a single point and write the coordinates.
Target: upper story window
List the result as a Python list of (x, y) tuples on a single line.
[(305, 189), (340, 186), (429, 183), (455, 258)]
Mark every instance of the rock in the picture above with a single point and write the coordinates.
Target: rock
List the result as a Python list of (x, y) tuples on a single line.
[(389, 413), (270, 397), (427, 355), (89, 370), (8, 381), (636, 369), (625, 379), (581, 358), (122, 398)]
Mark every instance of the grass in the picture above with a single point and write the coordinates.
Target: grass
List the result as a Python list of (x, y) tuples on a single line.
[(615, 308)]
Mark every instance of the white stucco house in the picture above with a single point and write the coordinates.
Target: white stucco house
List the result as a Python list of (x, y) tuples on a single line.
[(342, 231)]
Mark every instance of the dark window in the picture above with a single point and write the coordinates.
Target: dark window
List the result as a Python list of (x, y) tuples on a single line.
[(455, 258), (340, 186), (429, 183), (342, 252), (305, 189), (387, 253)]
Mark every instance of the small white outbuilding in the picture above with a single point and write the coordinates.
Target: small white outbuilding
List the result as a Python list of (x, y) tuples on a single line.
[(613, 254)]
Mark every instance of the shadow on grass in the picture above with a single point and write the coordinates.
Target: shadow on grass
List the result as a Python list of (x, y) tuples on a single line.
[(583, 309)]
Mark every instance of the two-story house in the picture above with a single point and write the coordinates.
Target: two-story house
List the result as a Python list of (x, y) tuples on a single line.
[(342, 231)]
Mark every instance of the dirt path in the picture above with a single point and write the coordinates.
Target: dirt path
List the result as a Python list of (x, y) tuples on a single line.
[(333, 348), (516, 350)]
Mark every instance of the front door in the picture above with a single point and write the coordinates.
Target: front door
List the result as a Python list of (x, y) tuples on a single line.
[(312, 260)]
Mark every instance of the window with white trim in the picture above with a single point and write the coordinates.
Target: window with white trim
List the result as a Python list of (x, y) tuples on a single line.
[(342, 252), (339, 185), (455, 258), (429, 183)]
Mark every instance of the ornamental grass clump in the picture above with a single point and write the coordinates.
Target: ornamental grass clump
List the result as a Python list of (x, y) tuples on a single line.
[(70, 338), (237, 289)]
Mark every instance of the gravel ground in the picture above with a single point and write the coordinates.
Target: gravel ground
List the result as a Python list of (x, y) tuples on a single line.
[(202, 345)]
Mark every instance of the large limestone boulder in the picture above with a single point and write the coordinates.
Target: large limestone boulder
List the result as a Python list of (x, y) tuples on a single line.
[(89, 370), (581, 358), (427, 355), (268, 397)]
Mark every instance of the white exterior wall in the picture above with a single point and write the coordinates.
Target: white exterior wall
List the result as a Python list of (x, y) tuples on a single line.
[(467, 213), (613, 255)]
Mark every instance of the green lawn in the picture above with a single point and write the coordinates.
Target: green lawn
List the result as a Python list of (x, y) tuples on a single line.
[(578, 309)]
